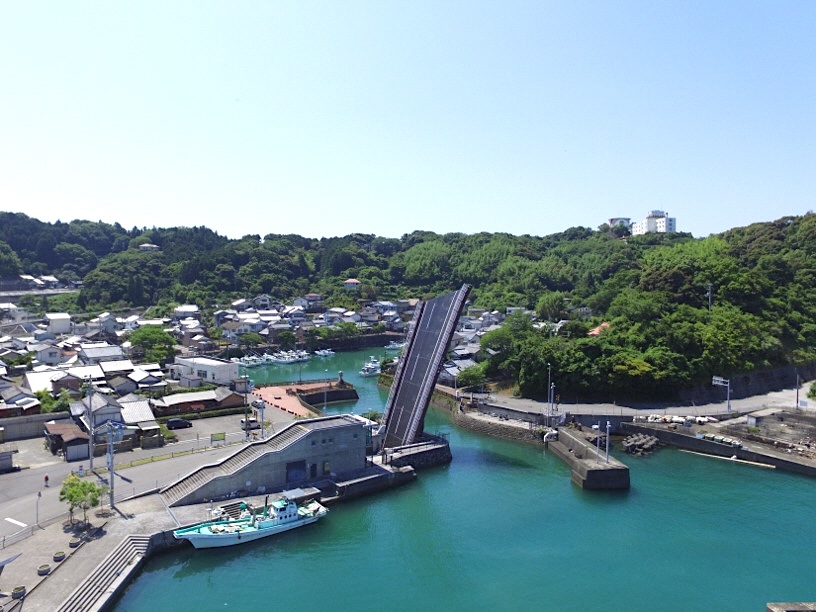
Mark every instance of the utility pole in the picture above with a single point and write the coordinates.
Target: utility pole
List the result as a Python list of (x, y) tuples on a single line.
[(90, 416), (709, 294)]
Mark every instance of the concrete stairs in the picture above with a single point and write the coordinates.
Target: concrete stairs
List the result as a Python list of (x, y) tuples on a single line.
[(232, 464), (93, 593)]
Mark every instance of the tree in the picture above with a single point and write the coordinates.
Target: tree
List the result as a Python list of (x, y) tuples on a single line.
[(79, 493), (471, 377), (156, 343), (287, 340), (9, 262), (251, 339)]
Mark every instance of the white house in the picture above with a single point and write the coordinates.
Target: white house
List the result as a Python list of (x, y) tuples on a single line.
[(209, 369), (58, 322), (186, 310)]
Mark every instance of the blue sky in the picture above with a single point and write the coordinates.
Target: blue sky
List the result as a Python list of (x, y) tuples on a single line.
[(323, 119)]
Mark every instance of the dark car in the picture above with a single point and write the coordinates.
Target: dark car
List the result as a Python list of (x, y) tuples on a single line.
[(178, 423)]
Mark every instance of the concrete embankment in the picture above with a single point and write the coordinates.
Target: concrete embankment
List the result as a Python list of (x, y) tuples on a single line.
[(591, 468), (589, 471), (690, 442)]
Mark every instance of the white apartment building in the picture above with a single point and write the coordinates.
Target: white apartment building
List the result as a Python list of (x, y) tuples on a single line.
[(656, 221)]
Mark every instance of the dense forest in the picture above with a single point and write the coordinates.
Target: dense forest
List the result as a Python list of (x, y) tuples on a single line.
[(678, 309)]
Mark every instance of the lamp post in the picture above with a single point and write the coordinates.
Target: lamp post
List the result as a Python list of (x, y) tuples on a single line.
[(115, 432), (608, 427), (549, 395), (261, 408), (723, 382), (552, 400), (325, 391)]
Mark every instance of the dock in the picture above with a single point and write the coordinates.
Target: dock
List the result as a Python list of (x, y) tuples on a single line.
[(591, 468)]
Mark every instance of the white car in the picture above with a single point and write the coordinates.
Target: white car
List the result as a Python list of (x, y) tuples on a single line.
[(250, 423)]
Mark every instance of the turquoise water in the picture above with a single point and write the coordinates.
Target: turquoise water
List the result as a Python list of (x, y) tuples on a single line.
[(502, 527)]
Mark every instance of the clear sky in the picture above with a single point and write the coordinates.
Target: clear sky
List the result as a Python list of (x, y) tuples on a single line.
[(385, 117)]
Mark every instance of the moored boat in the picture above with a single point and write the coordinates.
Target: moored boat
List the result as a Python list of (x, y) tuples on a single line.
[(371, 367), (279, 516)]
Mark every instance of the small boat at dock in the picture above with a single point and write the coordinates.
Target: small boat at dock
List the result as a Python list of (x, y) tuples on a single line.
[(253, 523), (371, 367)]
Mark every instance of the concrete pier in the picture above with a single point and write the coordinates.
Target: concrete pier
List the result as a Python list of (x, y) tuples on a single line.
[(590, 468)]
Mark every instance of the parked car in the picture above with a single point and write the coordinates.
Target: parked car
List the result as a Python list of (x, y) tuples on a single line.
[(176, 423), (251, 423)]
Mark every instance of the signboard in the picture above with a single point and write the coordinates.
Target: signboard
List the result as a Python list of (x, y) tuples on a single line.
[(218, 437)]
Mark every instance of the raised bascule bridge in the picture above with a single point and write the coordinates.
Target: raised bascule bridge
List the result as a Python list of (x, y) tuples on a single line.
[(427, 343), (331, 452)]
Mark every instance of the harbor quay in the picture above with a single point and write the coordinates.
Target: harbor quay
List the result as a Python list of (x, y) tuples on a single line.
[(88, 566), (109, 554), (580, 425)]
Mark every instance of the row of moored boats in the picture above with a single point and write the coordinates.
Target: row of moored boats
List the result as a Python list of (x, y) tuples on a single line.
[(283, 357)]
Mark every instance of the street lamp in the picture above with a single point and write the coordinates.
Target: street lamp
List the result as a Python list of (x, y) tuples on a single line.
[(325, 391), (552, 400), (549, 395), (723, 382)]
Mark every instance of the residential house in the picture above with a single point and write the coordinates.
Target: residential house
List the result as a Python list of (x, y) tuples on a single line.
[(94, 410), (148, 247), (148, 381), (262, 302), (197, 401), (186, 310), (97, 353), (209, 369), (58, 322), (220, 316), (122, 385), (138, 415), (293, 314), (108, 324), (48, 354), (241, 305), (8, 311), (119, 367), (17, 401), (68, 440), (351, 284), (311, 302)]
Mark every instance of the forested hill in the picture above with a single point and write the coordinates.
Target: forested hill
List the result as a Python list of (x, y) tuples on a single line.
[(652, 290)]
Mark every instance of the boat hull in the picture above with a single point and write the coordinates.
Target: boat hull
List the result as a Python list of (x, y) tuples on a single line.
[(204, 539)]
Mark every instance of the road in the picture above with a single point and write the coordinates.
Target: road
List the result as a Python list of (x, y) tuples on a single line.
[(25, 501)]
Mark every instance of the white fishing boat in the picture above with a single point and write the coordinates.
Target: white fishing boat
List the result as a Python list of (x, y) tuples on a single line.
[(395, 346), (324, 352), (371, 367), (282, 515)]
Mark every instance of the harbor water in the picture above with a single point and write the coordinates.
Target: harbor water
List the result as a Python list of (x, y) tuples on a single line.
[(502, 527)]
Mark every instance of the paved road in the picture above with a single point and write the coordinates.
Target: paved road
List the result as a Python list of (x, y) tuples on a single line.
[(25, 501), (777, 399)]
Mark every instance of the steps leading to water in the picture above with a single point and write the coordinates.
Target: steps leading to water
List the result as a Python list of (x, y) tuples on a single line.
[(121, 560)]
